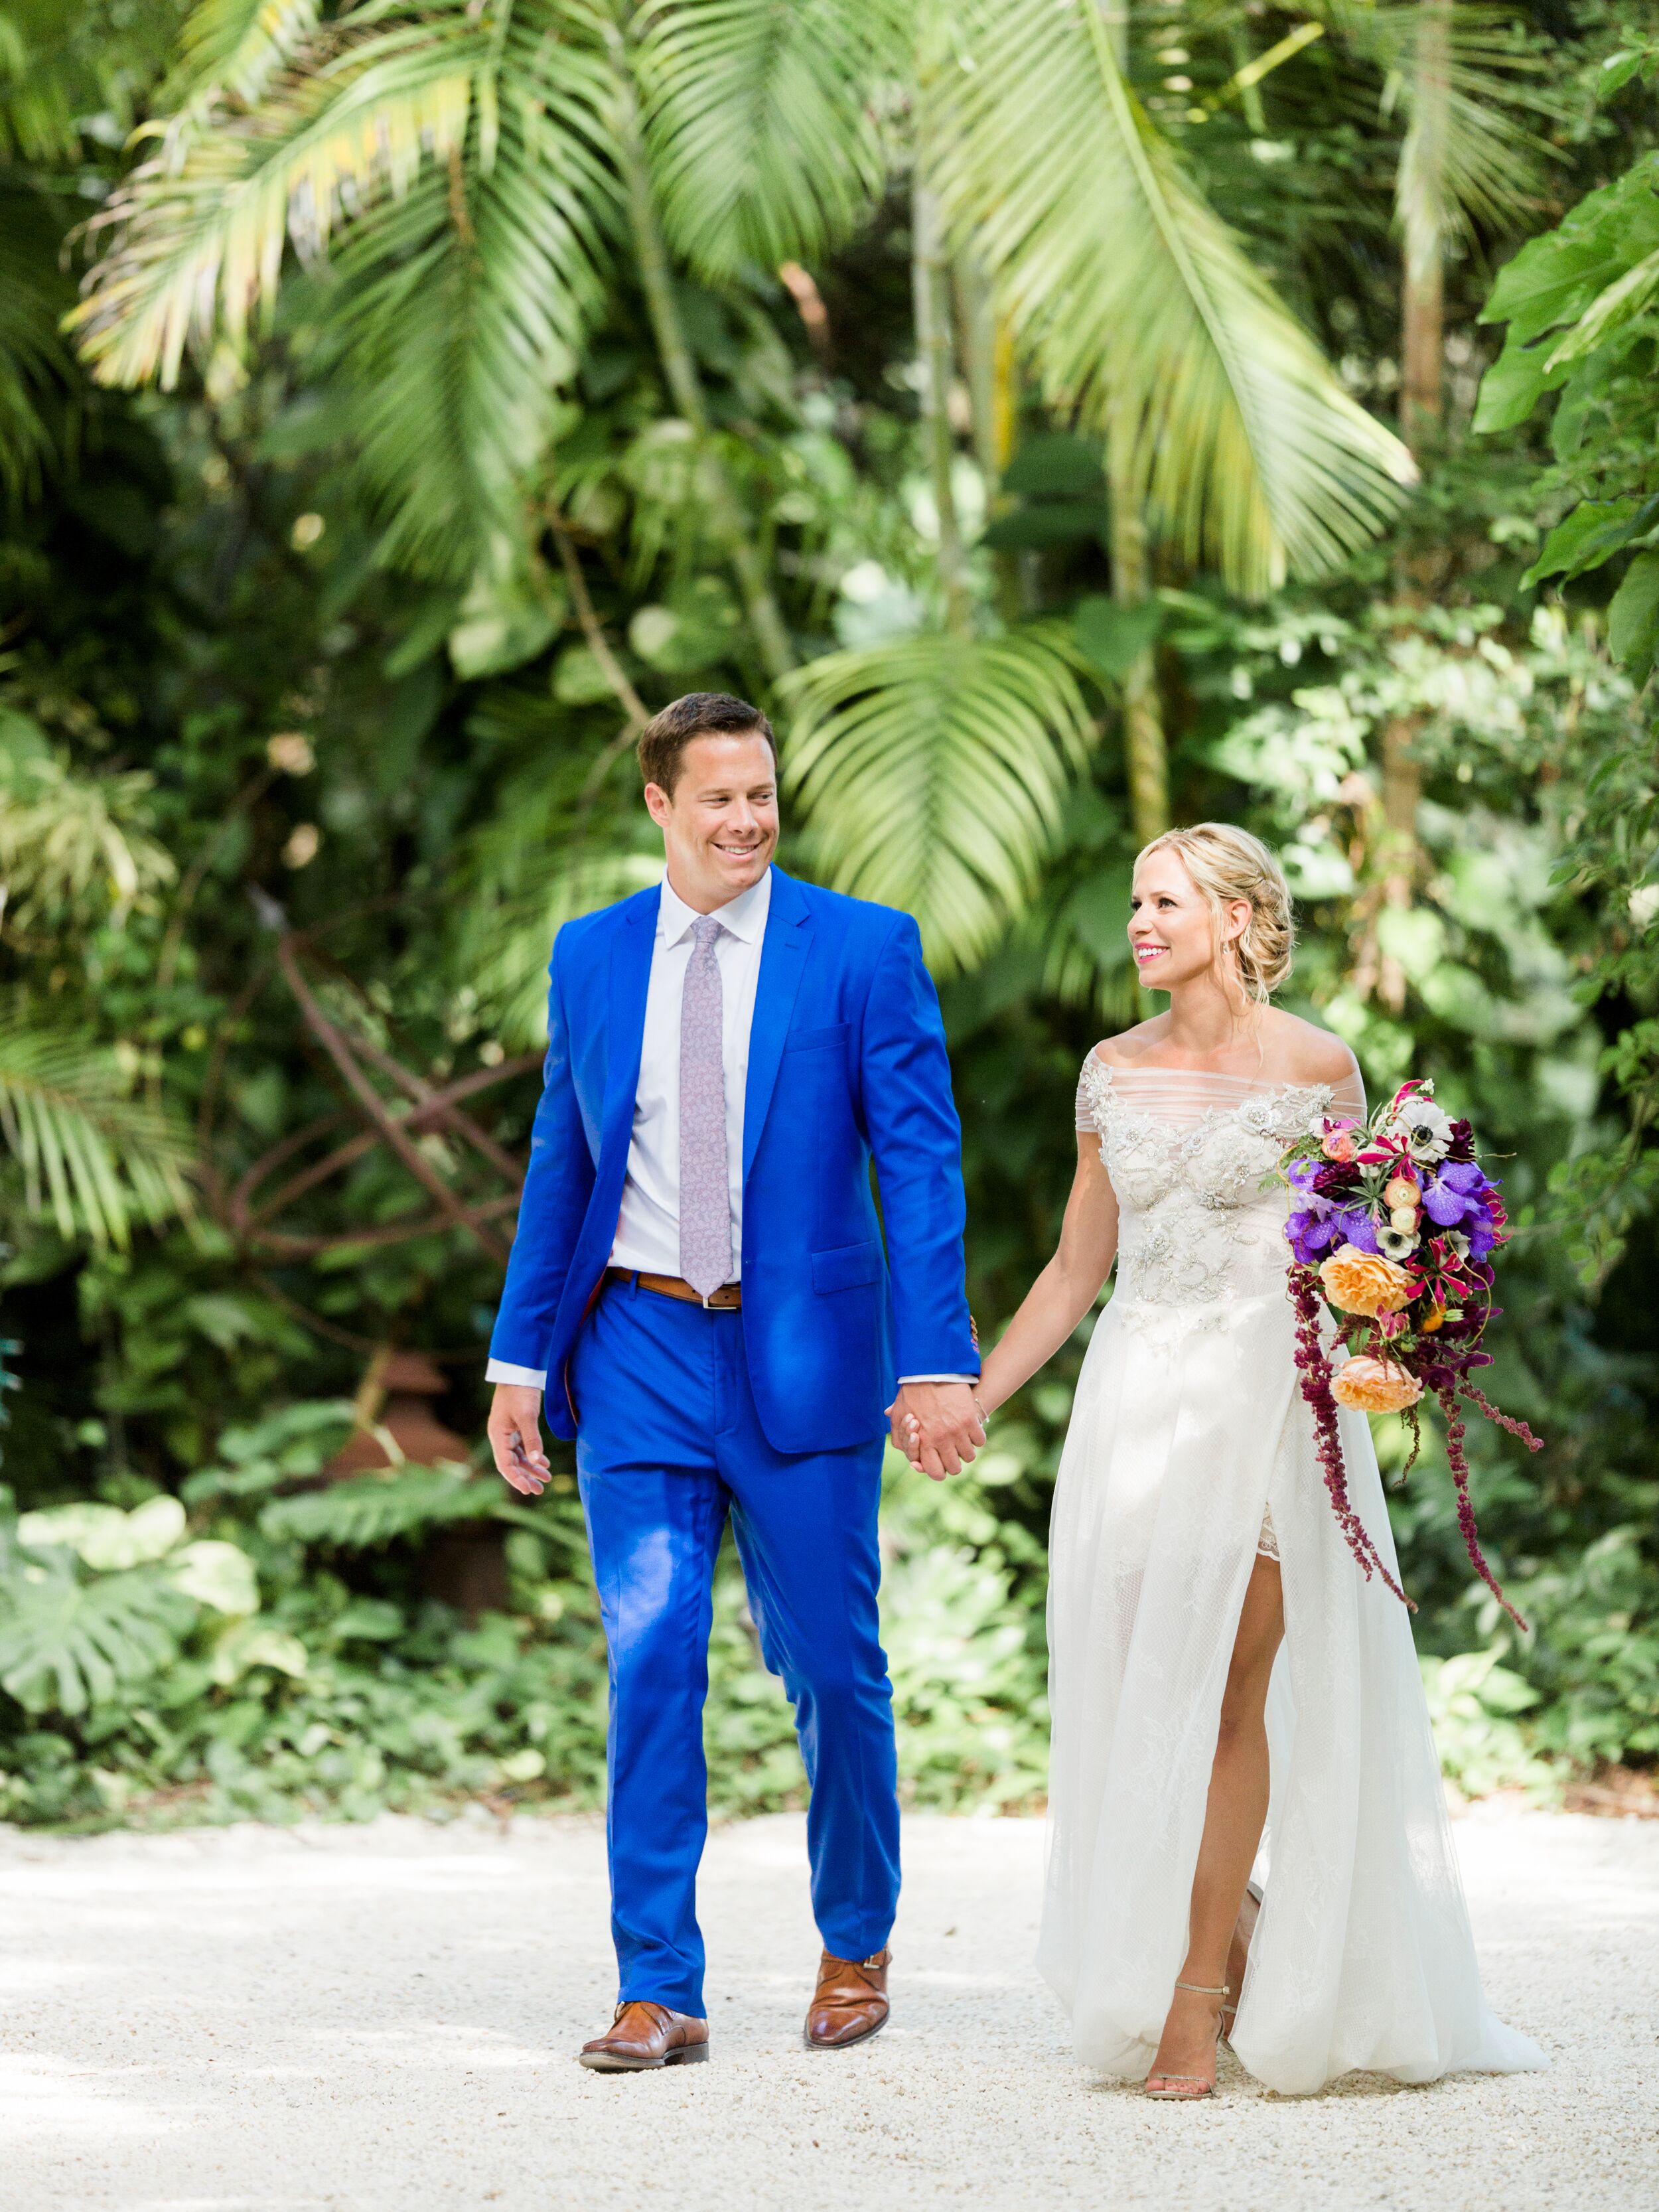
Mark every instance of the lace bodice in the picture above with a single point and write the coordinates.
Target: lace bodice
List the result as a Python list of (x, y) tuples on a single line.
[(1191, 1159)]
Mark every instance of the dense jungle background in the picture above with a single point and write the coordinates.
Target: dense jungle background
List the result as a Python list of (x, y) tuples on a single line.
[(1067, 420)]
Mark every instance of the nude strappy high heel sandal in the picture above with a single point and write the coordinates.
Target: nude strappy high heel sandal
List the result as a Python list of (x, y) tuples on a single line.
[(1189, 2085)]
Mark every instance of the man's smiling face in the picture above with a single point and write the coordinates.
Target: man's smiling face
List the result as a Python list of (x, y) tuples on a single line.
[(720, 824)]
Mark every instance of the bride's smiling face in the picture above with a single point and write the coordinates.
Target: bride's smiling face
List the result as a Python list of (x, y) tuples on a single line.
[(1172, 933)]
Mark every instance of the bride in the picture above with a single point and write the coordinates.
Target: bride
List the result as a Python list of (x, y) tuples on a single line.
[(1230, 1693)]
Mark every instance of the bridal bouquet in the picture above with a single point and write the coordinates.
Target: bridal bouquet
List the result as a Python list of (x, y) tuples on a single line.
[(1393, 1226)]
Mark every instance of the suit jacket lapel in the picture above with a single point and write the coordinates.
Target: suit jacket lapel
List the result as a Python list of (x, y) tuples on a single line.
[(783, 957), (631, 980)]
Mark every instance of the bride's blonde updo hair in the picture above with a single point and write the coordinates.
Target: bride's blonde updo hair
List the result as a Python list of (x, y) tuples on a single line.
[(1227, 863)]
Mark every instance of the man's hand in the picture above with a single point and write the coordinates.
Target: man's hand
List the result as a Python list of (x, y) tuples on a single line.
[(515, 1437), (937, 1426)]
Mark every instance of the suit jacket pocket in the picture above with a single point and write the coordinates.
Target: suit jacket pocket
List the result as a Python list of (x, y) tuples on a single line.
[(848, 1267), (816, 1040)]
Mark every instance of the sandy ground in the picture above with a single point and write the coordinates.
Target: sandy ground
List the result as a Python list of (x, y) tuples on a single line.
[(255, 2019)]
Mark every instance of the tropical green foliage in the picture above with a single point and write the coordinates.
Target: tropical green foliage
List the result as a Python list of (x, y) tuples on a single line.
[(1144, 320), (1581, 307), (288, 1659), (464, 187), (961, 745), (1005, 397)]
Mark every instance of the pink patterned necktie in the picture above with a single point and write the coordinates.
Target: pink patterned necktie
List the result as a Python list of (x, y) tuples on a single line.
[(705, 1195)]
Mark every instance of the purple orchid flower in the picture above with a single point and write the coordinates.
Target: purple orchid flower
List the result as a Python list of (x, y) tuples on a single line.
[(1482, 1233), (1456, 1196), (1357, 1226), (1310, 1235)]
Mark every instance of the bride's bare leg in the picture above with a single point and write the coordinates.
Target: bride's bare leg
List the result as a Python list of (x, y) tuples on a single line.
[(1234, 1817)]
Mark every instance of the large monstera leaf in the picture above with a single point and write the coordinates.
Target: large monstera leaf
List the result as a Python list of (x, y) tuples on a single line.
[(66, 1643)]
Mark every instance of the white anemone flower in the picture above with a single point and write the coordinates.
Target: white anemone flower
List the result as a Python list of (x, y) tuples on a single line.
[(1426, 1129), (1396, 1244)]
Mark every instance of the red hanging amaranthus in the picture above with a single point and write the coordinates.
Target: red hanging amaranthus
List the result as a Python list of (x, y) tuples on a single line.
[(1455, 1429), (1393, 1226), (1314, 1368)]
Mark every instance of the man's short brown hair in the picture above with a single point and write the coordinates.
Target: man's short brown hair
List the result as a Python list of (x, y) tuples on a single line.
[(665, 738)]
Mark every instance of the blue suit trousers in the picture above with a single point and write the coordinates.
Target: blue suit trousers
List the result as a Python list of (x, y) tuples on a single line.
[(668, 1443)]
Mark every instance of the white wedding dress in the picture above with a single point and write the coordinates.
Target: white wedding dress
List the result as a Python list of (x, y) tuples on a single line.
[(1191, 1448)]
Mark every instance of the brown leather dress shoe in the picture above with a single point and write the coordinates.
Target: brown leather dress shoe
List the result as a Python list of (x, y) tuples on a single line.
[(643, 2036), (850, 2002)]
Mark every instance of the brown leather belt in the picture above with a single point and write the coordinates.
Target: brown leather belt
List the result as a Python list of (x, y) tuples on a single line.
[(676, 1286)]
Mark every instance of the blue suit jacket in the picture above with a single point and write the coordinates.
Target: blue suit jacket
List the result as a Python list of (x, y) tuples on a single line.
[(847, 1061)]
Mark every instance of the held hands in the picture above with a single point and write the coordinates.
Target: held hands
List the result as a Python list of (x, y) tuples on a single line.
[(937, 1426), (515, 1437)]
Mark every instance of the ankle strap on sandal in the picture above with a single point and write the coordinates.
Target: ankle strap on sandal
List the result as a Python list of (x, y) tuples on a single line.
[(1204, 1989)]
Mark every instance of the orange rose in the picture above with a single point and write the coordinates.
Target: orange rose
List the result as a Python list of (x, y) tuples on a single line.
[(1364, 1282), (1375, 1386)]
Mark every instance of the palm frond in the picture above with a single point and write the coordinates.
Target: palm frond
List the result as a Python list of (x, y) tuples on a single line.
[(1079, 931), (69, 843), (91, 1155), (932, 773), (759, 124), (1474, 99), (236, 48), (461, 162), (1138, 307), (61, 65), (511, 942), (371, 1509), (196, 241), (460, 312), (37, 86), (66, 1644), (37, 374)]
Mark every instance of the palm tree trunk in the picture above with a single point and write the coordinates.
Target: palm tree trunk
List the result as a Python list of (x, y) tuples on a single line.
[(1145, 750), (1422, 196), (1423, 206), (992, 370), (726, 521), (931, 290)]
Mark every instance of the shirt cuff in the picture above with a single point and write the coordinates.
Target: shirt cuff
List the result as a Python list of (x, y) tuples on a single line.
[(903, 1379), (503, 1371)]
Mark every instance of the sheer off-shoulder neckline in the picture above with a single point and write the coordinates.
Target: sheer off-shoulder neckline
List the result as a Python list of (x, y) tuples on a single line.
[(1186, 1094), (1154, 1073)]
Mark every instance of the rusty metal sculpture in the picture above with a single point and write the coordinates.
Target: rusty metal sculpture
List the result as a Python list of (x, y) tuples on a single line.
[(250, 1212), (395, 1421)]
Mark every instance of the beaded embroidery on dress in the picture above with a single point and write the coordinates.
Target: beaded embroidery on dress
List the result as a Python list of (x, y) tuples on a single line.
[(1190, 1450), (1189, 1155)]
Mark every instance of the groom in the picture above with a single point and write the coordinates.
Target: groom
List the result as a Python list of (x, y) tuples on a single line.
[(699, 1286)]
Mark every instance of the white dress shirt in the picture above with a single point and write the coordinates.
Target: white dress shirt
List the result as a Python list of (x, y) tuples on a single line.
[(648, 1227)]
